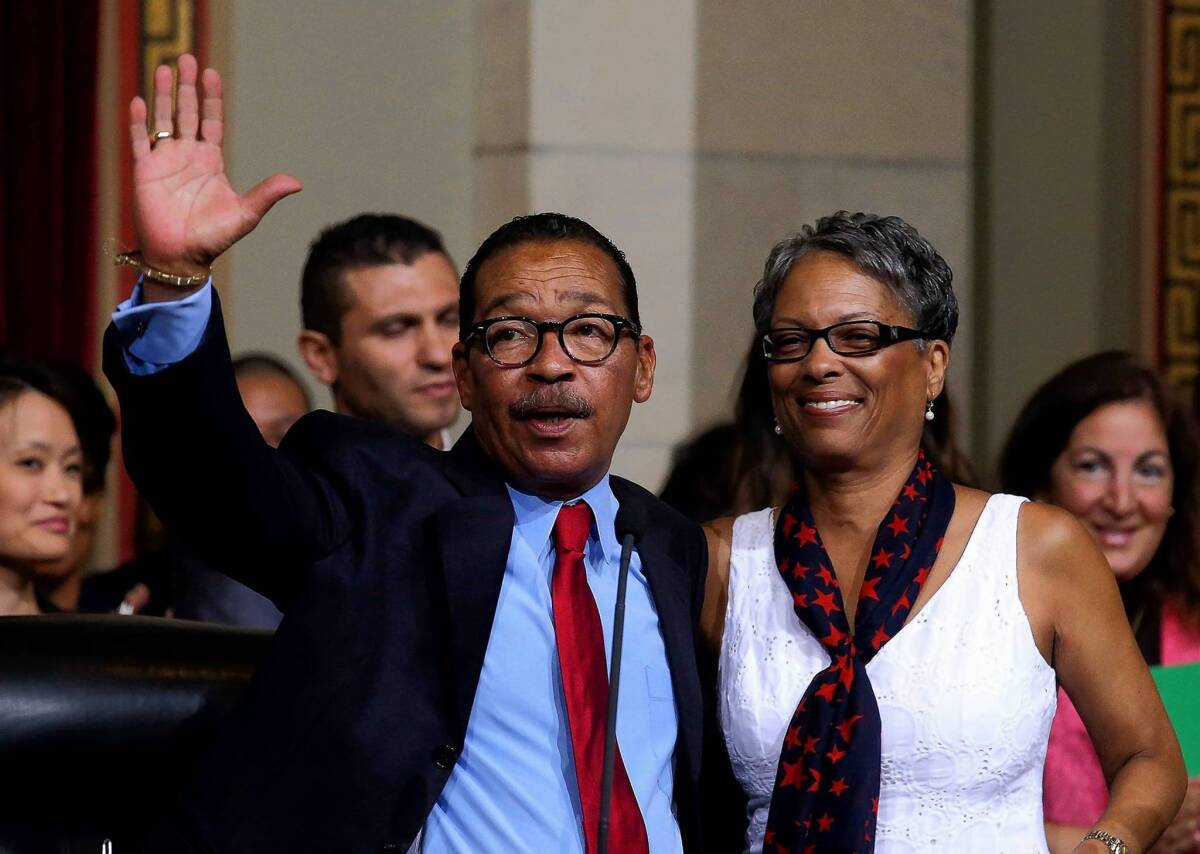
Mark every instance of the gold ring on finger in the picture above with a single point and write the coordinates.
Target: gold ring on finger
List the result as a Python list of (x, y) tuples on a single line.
[(160, 135)]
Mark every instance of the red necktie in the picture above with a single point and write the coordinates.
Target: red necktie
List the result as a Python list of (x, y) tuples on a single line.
[(584, 671)]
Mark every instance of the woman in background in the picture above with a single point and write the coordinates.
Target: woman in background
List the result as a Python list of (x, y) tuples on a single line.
[(60, 582), (735, 466), (41, 480), (1106, 439)]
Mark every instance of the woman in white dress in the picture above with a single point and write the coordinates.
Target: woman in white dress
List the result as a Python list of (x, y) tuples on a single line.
[(890, 642)]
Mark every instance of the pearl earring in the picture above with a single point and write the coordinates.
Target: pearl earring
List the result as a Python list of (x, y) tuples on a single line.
[(778, 429), (929, 410)]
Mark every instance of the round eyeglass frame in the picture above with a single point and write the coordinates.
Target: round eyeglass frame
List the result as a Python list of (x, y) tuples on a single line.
[(620, 325), (888, 335)]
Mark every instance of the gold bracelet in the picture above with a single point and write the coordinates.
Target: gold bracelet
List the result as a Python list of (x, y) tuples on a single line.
[(134, 259), (1115, 844)]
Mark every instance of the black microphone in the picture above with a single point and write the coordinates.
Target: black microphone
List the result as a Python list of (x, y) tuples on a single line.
[(630, 523)]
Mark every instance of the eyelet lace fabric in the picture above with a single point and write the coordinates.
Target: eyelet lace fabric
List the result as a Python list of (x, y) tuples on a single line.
[(965, 697)]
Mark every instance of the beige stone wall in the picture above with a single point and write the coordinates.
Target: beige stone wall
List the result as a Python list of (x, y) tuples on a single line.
[(698, 132), (1062, 173), (370, 104), (589, 109), (808, 108)]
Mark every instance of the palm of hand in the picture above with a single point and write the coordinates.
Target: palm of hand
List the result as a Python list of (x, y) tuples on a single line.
[(185, 206)]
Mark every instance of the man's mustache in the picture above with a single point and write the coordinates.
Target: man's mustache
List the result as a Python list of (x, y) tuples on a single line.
[(561, 401)]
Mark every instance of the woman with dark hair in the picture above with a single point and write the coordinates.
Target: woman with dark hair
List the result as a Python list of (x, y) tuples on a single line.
[(736, 466), (890, 641), (59, 582), (1107, 439), (41, 480)]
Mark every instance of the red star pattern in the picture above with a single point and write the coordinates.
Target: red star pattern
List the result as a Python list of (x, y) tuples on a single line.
[(880, 638), (830, 748), (835, 636), (847, 677), (826, 602), (793, 774), (846, 726)]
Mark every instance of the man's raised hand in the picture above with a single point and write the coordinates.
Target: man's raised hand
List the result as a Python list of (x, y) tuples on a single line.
[(185, 211)]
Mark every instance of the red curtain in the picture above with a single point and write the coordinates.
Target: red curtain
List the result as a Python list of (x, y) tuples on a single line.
[(48, 178)]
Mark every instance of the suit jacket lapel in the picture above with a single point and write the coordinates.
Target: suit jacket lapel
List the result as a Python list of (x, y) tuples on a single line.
[(473, 534), (670, 587), (471, 470)]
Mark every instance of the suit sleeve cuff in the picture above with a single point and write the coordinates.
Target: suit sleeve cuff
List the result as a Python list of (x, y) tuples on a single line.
[(157, 335)]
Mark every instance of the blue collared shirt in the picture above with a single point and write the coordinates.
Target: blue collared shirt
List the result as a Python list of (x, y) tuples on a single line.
[(514, 786), (158, 334)]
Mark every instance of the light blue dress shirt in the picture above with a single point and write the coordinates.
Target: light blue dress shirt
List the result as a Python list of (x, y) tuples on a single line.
[(158, 334), (514, 786)]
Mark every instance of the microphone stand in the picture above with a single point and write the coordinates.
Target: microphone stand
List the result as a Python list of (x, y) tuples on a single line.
[(614, 688)]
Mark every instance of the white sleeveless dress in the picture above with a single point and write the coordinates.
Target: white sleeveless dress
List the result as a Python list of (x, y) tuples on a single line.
[(965, 697)]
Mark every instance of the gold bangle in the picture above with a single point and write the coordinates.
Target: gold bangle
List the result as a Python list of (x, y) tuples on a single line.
[(1115, 843), (134, 259)]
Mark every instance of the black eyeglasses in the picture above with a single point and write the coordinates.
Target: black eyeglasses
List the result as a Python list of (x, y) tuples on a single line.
[(588, 339), (852, 338)]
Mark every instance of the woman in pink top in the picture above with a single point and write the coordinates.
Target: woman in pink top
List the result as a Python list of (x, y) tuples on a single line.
[(1107, 439)]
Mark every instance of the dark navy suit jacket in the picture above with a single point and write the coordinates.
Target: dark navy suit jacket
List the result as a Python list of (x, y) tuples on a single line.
[(386, 557)]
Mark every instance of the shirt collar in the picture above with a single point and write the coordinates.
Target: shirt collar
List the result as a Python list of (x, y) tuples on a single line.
[(536, 516)]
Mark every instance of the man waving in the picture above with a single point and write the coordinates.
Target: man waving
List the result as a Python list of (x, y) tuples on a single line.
[(440, 678)]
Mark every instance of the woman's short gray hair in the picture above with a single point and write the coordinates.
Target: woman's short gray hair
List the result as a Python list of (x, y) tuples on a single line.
[(885, 248)]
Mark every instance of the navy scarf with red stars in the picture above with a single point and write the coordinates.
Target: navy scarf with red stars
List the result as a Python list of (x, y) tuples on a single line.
[(827, 785)]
